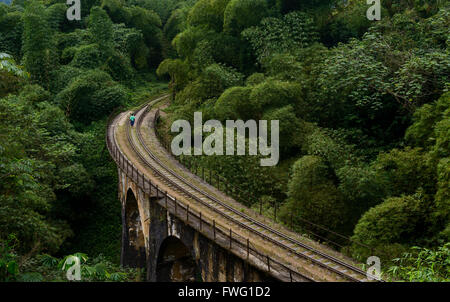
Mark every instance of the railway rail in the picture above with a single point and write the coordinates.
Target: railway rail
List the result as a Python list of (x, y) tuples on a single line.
[(236, 218)]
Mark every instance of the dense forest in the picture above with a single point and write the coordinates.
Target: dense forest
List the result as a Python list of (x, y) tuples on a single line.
[(364, 112)]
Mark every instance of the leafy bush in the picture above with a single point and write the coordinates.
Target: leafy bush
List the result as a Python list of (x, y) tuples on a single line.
[(313, 196), (87, 56), (233, 104), (11, 28), (279, 35), (423, 265), (90, 96), (399, 220), (405, 171), (208, 13), (272, 94), (219, 77), (9, 269), (241, 14), (38, 45)]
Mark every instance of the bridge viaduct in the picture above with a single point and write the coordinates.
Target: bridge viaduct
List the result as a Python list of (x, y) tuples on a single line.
[(179, 228)]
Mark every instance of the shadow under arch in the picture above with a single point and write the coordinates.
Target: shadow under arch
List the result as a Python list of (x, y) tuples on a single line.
[(133, 242), (175, 262)]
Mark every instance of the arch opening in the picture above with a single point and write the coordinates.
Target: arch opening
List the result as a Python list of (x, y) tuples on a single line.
[(175, 263), (133, 241)]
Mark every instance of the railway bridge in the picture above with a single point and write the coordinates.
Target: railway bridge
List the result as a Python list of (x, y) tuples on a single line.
[(180, 228)]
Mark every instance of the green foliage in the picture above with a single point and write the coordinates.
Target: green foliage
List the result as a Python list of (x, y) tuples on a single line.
[(405, 171), (87, 56), (398, 220), (130, 42), (101, 29), (278, 35), (413, 82), (56, 15), (430, 127), (217, 48), (38, 46), (176, 23), (52, 152), (119, 67), (28, 181), (162, 8), (361, 187), (351, 83), (91, 96), (288, 121), (9, 269), (10, 74), (423, 265), (238, 170), (241, 14), (47, 268), (218, 77), (255, 79), (272, 94), (348, 21), (178, 72), (116, 10), (313, 196), (344, 89), (149, 23), (62, 76), (234, 104), (186, 41), (11, 29), (208, 13)]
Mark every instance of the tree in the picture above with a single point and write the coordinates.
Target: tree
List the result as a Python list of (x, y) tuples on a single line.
[(91, 96), (38, 44), (241, 14), (149, 23), (101, 30), (313, 196), (291, 134), (10, 74), (272, 94), (11, 29), (234, 104), (209, 13), (398, 220), (405, 171), (178, 72), (281, 35)]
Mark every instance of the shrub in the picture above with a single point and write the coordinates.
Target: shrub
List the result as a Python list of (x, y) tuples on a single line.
[(234, 104), (91, 96), (423, 265), (313, 196), (398, 220), (87, 56), (272, 94), (404, 171)]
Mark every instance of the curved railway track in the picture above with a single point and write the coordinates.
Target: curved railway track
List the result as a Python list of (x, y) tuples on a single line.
[(177, 182)]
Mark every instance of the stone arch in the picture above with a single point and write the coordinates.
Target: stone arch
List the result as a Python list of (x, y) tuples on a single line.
[(175, 262), (133, 240)]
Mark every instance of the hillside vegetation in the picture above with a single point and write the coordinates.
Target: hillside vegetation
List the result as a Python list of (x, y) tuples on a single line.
[(60, 80), (364, 112), (363, 109)]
